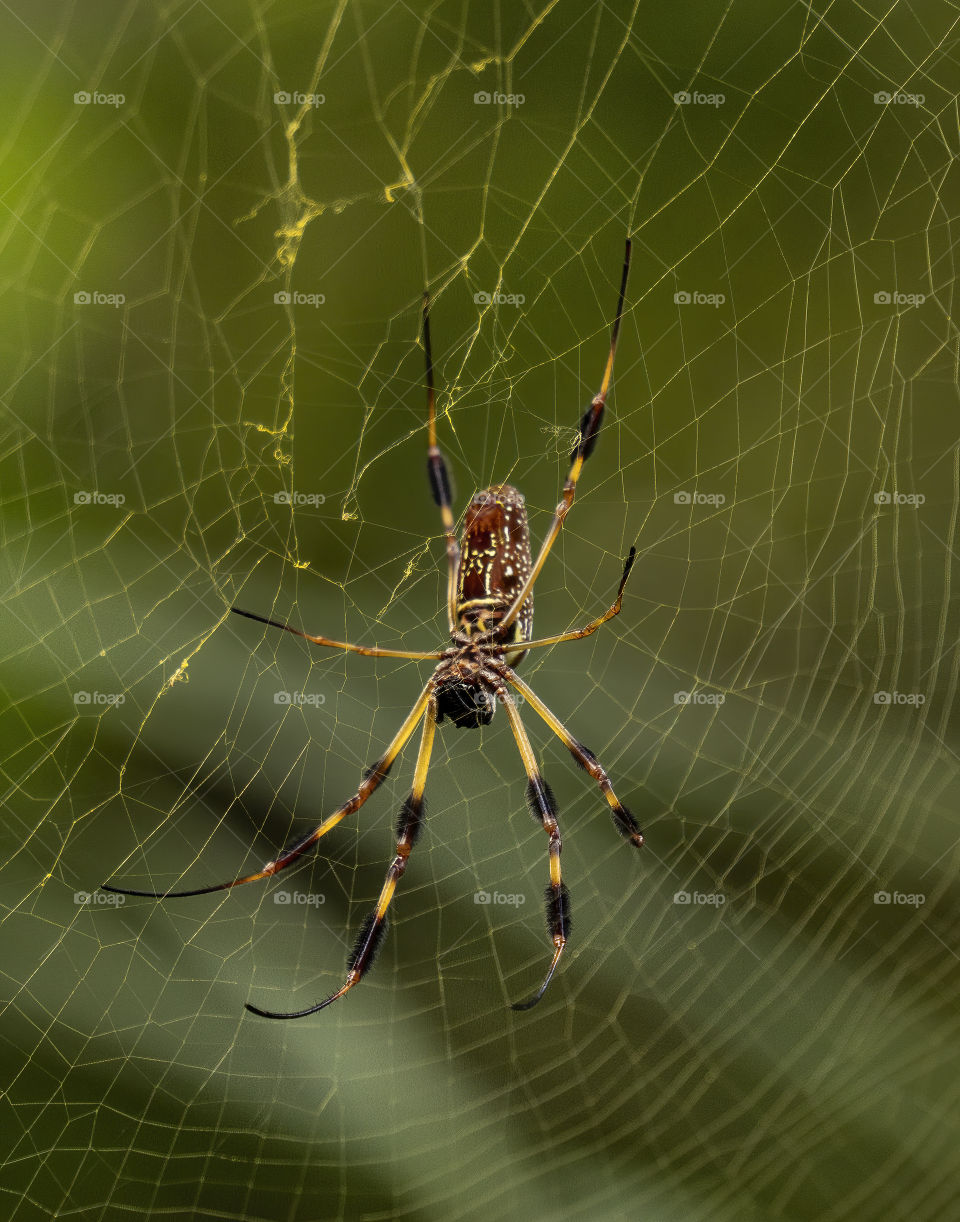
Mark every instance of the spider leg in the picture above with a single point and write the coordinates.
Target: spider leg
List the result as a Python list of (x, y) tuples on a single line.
[(544, 808), (373, 778), (577, 633), (374, 927), (589, 429), (372, 651), (623, 820), (439, 476)]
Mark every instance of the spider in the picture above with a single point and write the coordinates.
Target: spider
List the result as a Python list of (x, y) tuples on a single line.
[(490, 580)]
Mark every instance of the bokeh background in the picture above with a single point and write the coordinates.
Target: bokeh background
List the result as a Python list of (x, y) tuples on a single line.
[(757, 1015)]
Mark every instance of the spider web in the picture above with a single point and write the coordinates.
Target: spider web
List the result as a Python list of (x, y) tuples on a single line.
[(781, 447)]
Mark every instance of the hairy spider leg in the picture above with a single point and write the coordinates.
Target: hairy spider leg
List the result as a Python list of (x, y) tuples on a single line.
[(543, 806), (623, 820), (374, 927), (373, 778)]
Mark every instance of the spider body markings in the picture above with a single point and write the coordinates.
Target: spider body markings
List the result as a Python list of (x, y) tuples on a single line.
[(490, 580), (494, 563)]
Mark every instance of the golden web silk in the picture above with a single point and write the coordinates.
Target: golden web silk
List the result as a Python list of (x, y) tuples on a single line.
[(495, 561)]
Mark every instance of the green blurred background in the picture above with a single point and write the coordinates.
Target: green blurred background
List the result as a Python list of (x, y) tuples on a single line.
[(782, 1046)]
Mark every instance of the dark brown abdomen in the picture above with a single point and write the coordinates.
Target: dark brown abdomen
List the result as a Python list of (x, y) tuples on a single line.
[(494, 563)]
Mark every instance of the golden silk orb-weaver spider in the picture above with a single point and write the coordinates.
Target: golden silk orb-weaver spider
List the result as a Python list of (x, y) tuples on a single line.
[(490, 580)]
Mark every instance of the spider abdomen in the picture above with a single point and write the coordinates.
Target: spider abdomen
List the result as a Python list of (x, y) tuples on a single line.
[(494, 563)]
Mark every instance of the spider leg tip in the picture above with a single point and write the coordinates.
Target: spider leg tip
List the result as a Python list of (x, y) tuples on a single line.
[(266, 1013), (260, 1013), (529, 1003)]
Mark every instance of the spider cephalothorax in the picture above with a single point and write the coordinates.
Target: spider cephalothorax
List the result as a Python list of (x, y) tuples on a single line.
[(490, 579), (464, 684)]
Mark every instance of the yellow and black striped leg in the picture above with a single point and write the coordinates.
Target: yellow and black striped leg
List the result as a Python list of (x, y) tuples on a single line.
[(543, 805), (374, 927), (375, 775), (623, 820), (589, 430), (439, 476)]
